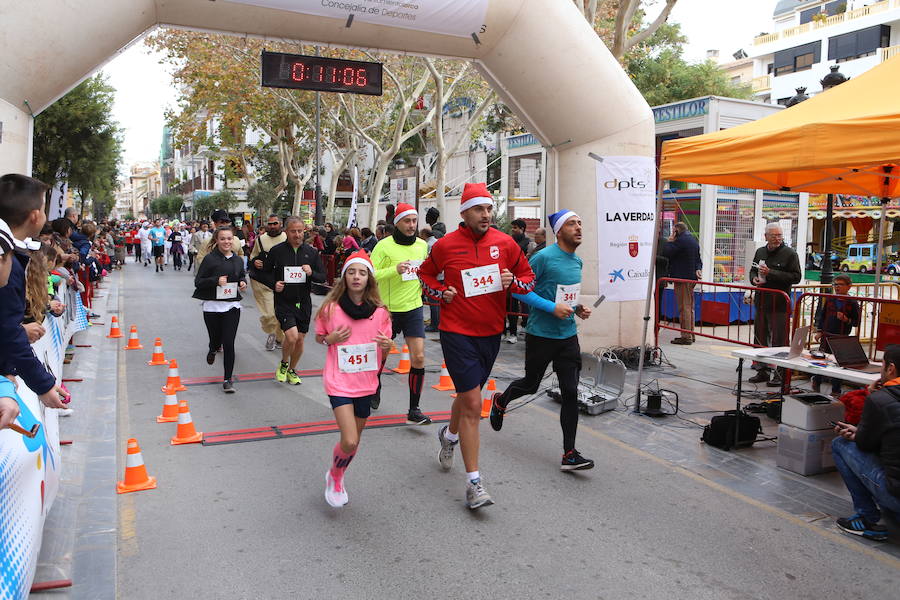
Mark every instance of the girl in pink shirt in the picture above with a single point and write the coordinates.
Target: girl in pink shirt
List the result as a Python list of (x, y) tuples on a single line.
[(356, 327)]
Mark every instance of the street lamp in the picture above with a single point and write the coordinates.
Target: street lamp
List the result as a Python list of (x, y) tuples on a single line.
[(826, 275)]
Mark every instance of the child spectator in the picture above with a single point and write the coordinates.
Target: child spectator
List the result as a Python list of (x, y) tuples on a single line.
[(836, 316)]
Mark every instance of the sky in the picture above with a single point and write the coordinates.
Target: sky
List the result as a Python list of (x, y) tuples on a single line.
[(144, 90)]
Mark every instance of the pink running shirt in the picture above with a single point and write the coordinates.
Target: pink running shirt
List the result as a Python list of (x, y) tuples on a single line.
[(352, 385)]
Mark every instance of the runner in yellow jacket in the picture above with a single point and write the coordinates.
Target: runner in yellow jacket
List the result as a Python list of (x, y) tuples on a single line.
[(396, 260)]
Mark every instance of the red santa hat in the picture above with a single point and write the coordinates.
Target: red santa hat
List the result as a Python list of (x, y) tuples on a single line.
[(360, 257), (404, 210), (473, 195)]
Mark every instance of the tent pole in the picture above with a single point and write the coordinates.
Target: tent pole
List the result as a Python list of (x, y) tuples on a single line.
[(651, 280), (882, 224)]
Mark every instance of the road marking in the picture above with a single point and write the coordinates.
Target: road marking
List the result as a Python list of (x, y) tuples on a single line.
[(274, 432), (128, 544), (838, 538)]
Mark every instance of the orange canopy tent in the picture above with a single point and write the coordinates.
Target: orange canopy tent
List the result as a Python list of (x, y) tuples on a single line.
[(843, 141)]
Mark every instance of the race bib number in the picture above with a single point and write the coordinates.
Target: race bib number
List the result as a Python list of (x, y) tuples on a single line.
[(412, 273), (227, 291), (357, 358), (481, 280), (294, 275), (177, 238), (568, 294)]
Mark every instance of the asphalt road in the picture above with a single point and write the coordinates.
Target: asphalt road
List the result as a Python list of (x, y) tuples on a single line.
[(249, 520)]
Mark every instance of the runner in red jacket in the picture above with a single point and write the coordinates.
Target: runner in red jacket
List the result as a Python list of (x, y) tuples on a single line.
[(480, 265)]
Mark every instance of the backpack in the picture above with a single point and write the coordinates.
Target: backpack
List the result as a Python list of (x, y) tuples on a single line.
[(720, 431)]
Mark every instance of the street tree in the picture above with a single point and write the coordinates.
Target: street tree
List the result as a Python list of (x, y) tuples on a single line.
[(77, 140), (205, 205)]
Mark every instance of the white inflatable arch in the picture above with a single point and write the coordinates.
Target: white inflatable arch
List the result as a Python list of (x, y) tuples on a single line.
[(541, 56)]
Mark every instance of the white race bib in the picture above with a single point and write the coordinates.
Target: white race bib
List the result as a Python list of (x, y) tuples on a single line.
[(412, 273), (356, 358), (482, 280), (568, 294), (177, 238), (227, 291), (294, 275)]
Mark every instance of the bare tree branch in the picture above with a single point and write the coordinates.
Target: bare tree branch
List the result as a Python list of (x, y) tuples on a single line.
[(640, 37)]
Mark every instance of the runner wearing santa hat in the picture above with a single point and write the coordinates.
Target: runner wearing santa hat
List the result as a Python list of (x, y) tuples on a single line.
[(396, 260), (353, 323), (479, 265), (552, 334)]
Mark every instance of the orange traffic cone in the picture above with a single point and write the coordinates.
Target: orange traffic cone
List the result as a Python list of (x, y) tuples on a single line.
[(394, 350), (173, 382), (445, 384), (489, 399), (136, 477), (133, 342), (114, 331), (186, 434), (170, 409), (404, 365), (159, 357)]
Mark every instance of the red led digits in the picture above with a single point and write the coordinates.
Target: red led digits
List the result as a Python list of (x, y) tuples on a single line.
[(298, 71), (346, 76), (362, 79)]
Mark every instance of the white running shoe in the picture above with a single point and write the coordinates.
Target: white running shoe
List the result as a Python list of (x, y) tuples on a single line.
[(511, 339), (445, 456), (335, 494)]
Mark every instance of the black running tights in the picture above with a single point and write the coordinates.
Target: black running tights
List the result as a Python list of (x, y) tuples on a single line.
[(565, 355), (222, 328)]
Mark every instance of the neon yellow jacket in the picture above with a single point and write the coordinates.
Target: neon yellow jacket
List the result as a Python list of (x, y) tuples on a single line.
[(398, 295)]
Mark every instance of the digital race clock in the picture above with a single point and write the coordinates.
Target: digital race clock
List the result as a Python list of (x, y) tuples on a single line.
[(320, 74)]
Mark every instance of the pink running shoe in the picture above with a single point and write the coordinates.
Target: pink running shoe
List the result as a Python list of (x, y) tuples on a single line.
[(335, 494)]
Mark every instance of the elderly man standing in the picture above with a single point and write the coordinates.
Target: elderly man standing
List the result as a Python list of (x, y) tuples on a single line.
[(776, 266), (683, 251)]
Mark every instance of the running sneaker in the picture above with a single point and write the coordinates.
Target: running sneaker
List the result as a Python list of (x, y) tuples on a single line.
[(375, 400), (228, 387), (512, 338), (476, 496), (281, 373), (210, 357), (573, 461), (497, 411), (417, 417), (859, 525), (278, 345), (292, 377), (447, 447), (270, 342), (335, 494)]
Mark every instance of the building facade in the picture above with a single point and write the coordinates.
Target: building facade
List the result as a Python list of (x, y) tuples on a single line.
[(809, 36)]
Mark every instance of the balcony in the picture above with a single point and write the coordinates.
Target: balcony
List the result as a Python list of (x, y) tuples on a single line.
[(763, 84), (843, 17), (889, 52)]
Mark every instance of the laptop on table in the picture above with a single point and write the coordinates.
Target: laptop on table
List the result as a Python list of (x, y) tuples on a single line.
[(796, 345), (849, 353)]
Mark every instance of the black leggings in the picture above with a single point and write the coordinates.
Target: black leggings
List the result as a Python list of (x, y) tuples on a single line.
[(190, 261), (222, 328), (565, 355), (176, 260)]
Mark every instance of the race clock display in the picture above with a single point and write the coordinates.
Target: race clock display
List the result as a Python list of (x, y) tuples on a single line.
[(320, 74)]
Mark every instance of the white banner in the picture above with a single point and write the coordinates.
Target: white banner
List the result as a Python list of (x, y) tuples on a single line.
[(354, 204), (626, 224), (458, 17), (30, 467), (58, 200)]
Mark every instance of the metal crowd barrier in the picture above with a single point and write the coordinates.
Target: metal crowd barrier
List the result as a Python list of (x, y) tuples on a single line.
[(722, 311), (879, 324)]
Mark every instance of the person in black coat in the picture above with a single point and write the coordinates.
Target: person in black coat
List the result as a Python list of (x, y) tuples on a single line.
[(22, 207), (683, 252), (868, 455), (219, 281)]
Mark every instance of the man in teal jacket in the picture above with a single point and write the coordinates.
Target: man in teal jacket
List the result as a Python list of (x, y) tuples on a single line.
[(552, 333)]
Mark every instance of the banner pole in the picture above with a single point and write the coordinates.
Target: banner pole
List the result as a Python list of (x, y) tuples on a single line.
[(651, 277)]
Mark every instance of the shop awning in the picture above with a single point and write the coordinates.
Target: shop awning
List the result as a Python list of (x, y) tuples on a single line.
[(845, 140)]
